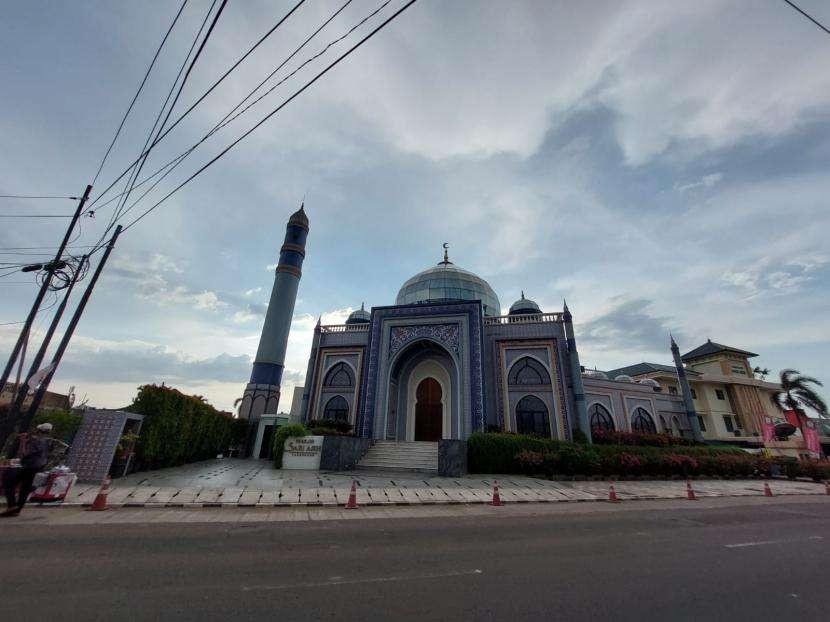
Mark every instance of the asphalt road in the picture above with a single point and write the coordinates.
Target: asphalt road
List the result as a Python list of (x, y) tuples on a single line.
[(733, 562)]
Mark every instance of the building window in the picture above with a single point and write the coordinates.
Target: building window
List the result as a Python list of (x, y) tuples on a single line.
[(672, 389), (642, 422), (665, 425), (600, 418), (532, 417), (720, 394), (337, 408), (694, 394), (738, 369), (727, 421), (528, 370), (339, 376), (702, 423)]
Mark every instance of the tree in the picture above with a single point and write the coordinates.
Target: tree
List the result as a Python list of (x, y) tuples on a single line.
[(758, 371), (797, 391)]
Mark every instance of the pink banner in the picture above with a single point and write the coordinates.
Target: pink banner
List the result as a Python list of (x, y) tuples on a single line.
[(768, 428), (810, 433)]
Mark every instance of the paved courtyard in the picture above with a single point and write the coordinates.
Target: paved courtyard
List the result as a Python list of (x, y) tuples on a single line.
[(255, 483)]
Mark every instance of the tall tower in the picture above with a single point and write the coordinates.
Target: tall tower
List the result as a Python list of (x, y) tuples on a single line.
[(688, 402), (576, 375), (262, 395)]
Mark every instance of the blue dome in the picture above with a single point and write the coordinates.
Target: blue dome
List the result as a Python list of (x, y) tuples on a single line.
[(447, 282), (359, 316), (524, 306)]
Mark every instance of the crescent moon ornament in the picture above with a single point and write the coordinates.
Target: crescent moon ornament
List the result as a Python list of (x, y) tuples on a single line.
[(446, 245)]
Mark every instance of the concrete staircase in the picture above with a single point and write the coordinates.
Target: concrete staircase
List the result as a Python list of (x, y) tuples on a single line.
[(401, 456)]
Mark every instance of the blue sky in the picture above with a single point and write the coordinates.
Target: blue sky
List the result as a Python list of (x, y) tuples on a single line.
[(663, 166)]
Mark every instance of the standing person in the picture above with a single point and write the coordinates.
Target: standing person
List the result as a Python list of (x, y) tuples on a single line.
[(27, 455)]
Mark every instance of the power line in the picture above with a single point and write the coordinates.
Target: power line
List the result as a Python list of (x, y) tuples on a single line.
[(808, 16), (30, 196), (275, 111), (140, 87), (35, 215), (228, 118), (205, 94), (146, 151)]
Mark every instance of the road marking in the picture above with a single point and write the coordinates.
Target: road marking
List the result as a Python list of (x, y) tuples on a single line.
[(763, 542), (341, 581)]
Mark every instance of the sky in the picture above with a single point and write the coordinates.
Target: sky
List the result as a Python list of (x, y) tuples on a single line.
[(662, 166)]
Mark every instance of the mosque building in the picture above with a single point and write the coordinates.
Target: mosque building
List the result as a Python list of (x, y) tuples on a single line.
[(443, 362)]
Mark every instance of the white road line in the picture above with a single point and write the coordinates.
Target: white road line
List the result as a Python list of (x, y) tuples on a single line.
[(341, 581), (763, 542)]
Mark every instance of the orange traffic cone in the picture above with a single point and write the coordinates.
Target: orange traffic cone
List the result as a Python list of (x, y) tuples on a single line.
[(496, 497), (690, 493), (767, 490), (100, 502), (351, 504), (612, 494)]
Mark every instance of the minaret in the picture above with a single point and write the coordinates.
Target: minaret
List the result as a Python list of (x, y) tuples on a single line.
[(576, 375), (262, 395), (688, 402)]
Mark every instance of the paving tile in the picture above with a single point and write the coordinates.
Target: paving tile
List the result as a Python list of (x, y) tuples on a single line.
[(455, 494), (378, 496), (249, 497), (209, 495), (326, 496), (289, 496), (268, 498), (394, 495), (117, 496), (308, 496), (185, 496), (141, 495)]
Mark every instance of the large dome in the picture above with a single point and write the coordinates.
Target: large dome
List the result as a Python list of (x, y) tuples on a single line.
[(448, 282)]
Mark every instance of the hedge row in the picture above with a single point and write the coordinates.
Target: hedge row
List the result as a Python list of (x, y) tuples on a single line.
[(513, 453), (180, 428), (615, 437)]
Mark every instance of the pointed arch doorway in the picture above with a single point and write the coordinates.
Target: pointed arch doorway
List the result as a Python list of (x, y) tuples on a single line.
[(429, 410)]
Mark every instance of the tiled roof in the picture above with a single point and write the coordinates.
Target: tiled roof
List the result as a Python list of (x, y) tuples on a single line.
[(710, 347), (641, 369)]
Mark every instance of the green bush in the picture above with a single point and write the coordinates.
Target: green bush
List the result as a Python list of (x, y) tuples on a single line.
[(179, 428), (280, 436), (342, 427), (514, 453), (818, 470)]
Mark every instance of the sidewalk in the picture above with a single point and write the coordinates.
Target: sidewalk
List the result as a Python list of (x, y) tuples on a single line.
[(250, 483)]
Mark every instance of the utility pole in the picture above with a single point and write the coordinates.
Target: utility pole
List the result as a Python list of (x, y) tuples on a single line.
[(73, 323), (22, 387), (47, 280)]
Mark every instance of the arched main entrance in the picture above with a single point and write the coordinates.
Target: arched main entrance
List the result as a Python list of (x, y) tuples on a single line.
[(429, 412)]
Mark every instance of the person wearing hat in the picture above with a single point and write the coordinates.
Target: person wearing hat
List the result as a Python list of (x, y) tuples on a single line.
[(26, 456)]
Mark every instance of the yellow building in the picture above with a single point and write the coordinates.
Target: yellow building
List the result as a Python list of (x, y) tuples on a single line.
[(730, 401)]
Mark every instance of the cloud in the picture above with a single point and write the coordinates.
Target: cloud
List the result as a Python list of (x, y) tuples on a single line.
[(707, 181), (628, 325)]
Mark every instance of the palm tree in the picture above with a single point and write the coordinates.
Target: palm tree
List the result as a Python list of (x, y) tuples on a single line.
[(797, 392)]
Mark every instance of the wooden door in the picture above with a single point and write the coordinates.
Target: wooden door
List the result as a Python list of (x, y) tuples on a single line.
[(429, 413)]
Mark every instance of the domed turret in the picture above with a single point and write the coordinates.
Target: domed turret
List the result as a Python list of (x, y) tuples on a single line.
[(524, 306), (359, 316), (448, 283), (299, 217), (624, 378)]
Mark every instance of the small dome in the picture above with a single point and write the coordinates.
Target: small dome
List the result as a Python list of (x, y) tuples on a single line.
[(359, 316), (624, 378), (524, 306), (595, 373), (299, 217), (650, 382), (447, 282)]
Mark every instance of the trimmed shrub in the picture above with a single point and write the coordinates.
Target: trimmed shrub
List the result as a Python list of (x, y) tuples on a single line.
[(604, 437), (818, 470), (280, 436), (341, 427), (180, 428), (514, 453)]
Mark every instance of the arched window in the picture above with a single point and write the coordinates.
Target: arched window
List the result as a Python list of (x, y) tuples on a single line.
[(532, 417), (528, 371), (642, 422), (675, 426), (665, 425), (337, 408), (600, 418), (339, 376)]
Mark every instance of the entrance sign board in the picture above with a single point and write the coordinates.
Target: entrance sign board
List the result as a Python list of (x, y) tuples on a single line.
[(302, 453)]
